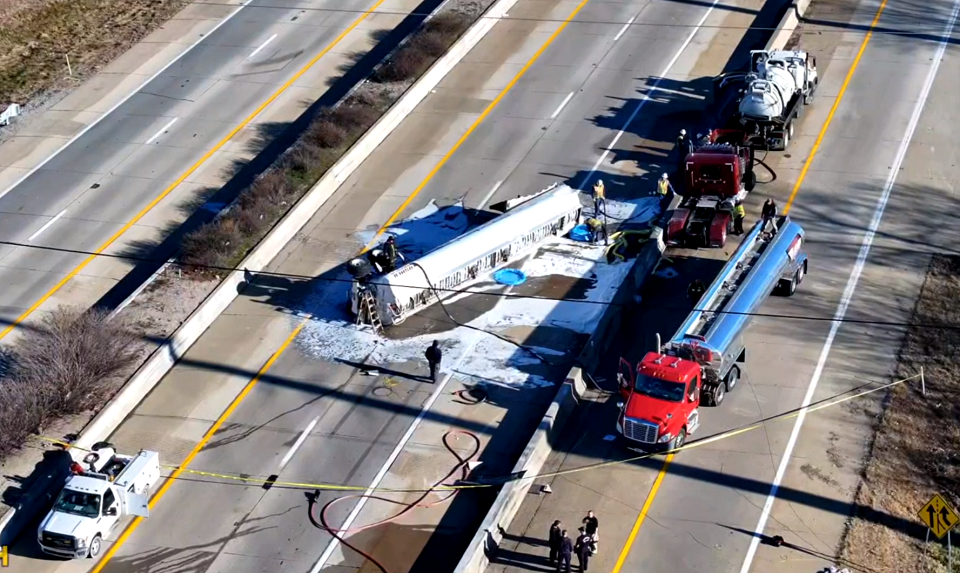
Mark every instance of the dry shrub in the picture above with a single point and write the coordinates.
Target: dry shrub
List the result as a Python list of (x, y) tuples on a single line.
[(272, 187), (302, 159), (424, 47), (355, 117), (324, 132), (65, 366), (209, 246), (406, 64)]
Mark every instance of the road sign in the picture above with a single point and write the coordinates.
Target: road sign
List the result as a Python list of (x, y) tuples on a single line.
[(938, 516)]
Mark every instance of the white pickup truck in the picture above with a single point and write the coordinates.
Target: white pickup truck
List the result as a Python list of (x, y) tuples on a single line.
[(106, 487)]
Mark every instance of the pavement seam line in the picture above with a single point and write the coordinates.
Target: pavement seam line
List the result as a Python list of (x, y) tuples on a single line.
[(206, 156), (833, 109), (854, 279), (483, 115), (234, 404)]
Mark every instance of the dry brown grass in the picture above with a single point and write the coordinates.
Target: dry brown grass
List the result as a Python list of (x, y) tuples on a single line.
[(36, 35), (917, 445), (68, 365)]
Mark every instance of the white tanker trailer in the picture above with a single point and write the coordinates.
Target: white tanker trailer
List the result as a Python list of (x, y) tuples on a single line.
[(769, 97)]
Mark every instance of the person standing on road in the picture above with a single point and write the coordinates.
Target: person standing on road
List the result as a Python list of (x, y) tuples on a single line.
[(555, 541), (434, 356), (599, 198), (592, 526), (582, 549), (738, 214), (566, 553)]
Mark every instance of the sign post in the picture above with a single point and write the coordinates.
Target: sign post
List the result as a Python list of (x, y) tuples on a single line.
[(940, 520)]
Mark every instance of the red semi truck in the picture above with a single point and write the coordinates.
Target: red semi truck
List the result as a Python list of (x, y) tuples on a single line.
[(703, 360)]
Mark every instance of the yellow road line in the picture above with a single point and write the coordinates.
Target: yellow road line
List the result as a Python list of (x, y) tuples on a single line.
[(796, 189), (196, 450), (276, 355), (187, 173), (643, 514), (490, 107), (833, 110)]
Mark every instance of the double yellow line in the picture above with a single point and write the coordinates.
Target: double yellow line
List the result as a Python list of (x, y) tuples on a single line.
[(793, 194)]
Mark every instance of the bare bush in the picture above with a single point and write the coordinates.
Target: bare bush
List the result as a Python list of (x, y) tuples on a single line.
[(273, 186), (66, 365), (355, 117), (407, 63), (209, 246), (325, 133), (302, 159)]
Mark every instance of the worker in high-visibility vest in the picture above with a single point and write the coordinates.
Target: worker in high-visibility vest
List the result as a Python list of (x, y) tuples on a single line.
[(738, 214), (599, 197), (663, 186)]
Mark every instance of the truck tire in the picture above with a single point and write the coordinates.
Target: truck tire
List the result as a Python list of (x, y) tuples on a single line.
[(681, 439), (100, 445), (733, 378), (749, 180), (96, 544), (715, 395)]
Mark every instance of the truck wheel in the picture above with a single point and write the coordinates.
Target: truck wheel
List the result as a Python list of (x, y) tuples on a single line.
[(749, 180), (100, 445), (95, 545), (718, 393), (733, 377), (681, 439), (789, 132)]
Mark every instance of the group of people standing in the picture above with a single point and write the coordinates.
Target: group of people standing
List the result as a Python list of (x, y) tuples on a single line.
[(563, 548)]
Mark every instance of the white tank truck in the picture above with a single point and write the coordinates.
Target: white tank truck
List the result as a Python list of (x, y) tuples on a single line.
[(769, 97)]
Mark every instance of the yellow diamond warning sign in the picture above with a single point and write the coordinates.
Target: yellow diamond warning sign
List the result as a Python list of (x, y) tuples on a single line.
[(939, 516)]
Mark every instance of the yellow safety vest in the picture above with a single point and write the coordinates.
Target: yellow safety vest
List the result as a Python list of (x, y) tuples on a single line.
[(738, 211), (598, 191), (663, 186)]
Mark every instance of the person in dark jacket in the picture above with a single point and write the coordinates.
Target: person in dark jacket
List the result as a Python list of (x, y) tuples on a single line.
[(555, 540), (391, 254), (582, 549), (566, 552), (434, 356), (769, 214)]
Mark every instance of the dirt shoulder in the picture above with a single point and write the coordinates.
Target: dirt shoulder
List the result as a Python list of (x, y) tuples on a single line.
[(915, 449), (36, 36)]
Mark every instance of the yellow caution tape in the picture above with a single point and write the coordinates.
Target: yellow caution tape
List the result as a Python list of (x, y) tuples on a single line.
[(338, 487)]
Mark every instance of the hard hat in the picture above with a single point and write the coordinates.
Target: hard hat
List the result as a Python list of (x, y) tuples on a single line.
[(600, 182), (683, 132), (664, 176)]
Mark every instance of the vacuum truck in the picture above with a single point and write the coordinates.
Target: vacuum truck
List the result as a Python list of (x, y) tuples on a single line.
[(703, 360), (765, 101)]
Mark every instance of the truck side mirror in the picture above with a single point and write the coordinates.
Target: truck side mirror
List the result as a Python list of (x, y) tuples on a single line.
[(620, 405), (111, 511)]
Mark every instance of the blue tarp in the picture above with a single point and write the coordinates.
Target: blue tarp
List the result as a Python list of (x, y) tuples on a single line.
[(581, 233)]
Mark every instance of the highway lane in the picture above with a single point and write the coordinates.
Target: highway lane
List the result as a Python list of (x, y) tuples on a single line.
[(93, 189), (702, 512), (360, 420)]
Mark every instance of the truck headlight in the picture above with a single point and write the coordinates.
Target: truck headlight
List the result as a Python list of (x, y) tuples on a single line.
[(665, 438), (80, 542)]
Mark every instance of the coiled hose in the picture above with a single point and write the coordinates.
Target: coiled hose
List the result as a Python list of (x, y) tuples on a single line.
[(462, 465)]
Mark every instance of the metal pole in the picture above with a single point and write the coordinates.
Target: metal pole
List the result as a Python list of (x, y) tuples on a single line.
[(658, 343), (949, 554), (923, 383), (69, 68)]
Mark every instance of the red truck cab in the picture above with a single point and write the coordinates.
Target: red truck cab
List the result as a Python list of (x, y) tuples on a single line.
[(662, 400)]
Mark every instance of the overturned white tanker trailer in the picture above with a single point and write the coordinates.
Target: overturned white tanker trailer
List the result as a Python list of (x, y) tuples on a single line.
[(391, 297)]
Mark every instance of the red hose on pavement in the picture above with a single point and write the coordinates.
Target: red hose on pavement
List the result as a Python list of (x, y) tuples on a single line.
[(462, 466)]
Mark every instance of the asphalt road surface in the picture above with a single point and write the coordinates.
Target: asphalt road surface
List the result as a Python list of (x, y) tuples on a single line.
[(875, 203), (556, 122), (92, 189)]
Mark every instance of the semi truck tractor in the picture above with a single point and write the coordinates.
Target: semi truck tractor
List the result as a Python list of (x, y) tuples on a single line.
[(765, 101), (102, 490), (704, 359)]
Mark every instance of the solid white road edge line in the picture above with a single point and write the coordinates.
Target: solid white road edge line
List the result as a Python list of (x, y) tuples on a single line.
[(296, 445), (124, 100), (653, 87), (624, 29), (262, 46), (489, 195), (325, 556), (562, 105), (850, 288), (47, 225), (161, 131)]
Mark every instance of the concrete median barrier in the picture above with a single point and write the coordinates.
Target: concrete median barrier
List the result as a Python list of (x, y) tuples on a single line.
[(485, 542), (34, 497), (789, 22)]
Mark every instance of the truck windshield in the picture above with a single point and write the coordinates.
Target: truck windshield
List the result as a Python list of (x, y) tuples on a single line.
[(660, 389), (79, 503)]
